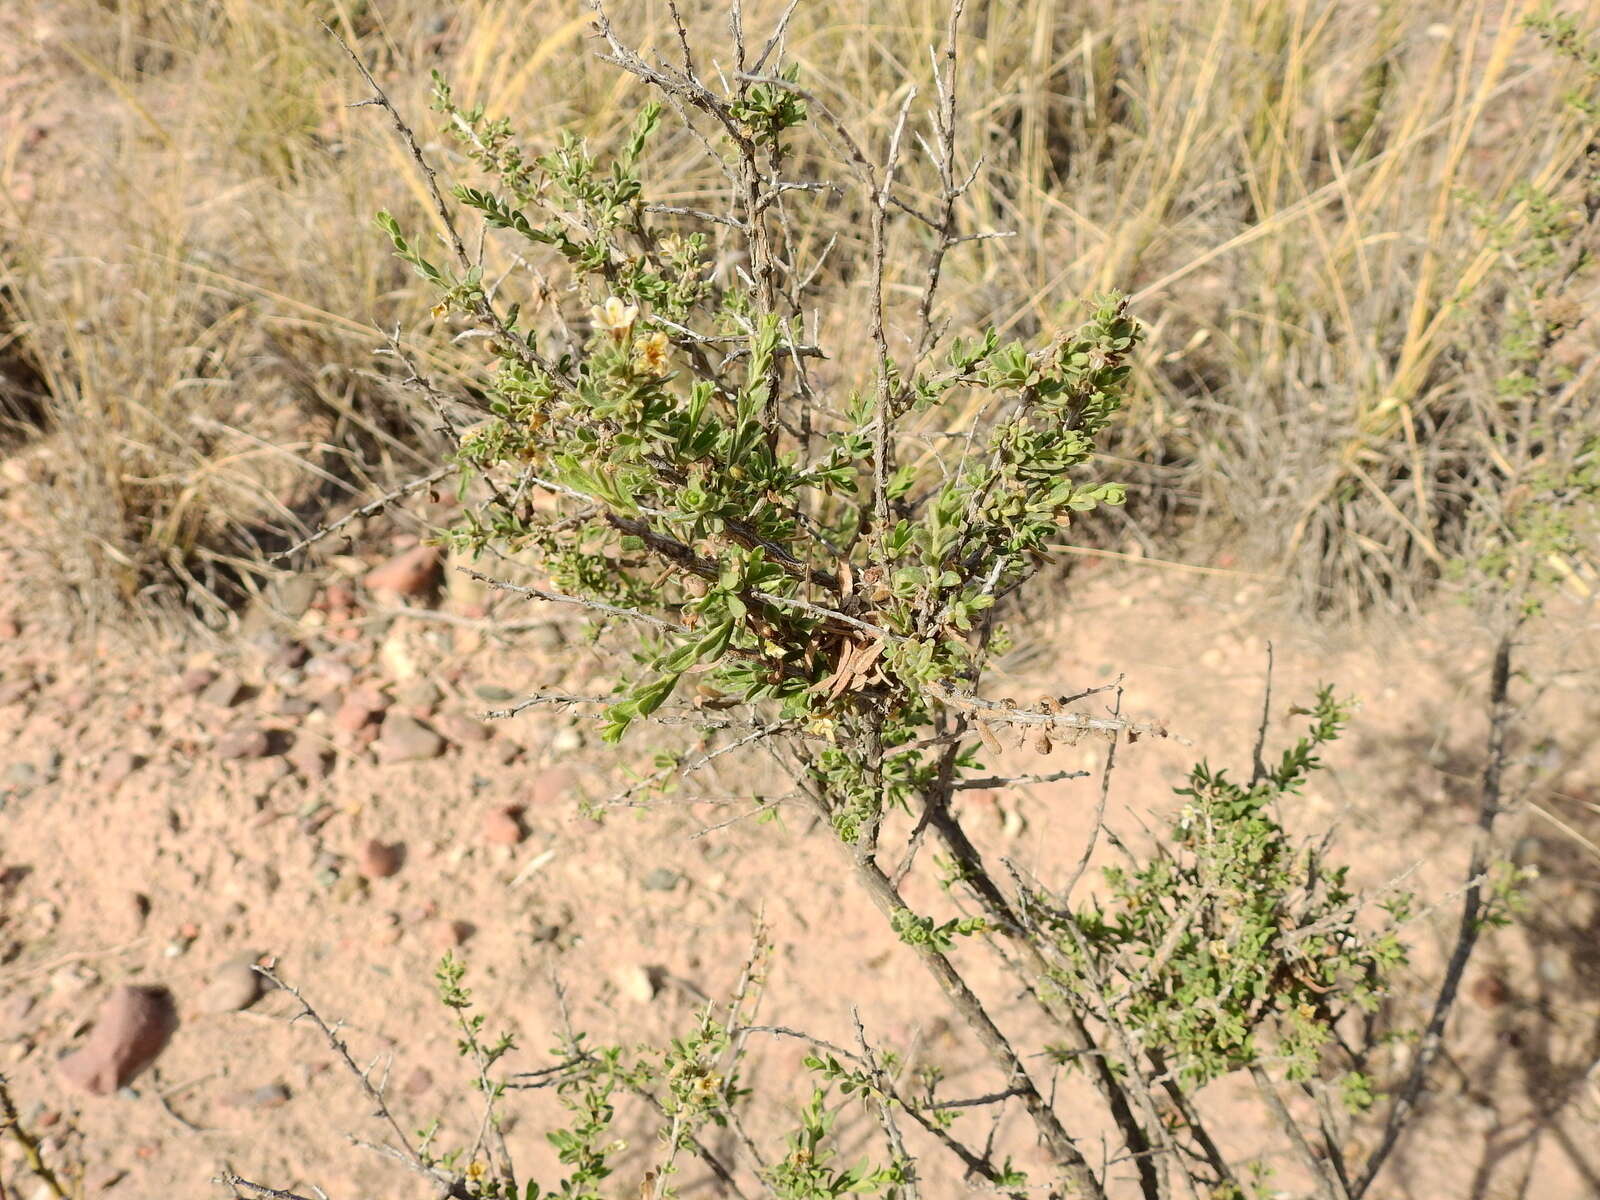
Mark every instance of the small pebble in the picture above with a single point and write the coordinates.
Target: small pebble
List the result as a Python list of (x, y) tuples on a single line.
[(119, 764), (397, 656), (360, 707), (405, 739), (1553, 968), (638, 983), (447, 935), (550, 788), (462, 730), (295, 706), (419, 695), (409, 574), (330, 669), (661, 879), (71, 980), (379, 860), (272, 1095), (291, 656), (196, 680), (233, 987), (43, 917), (1489, 991), (311, 759), (418, 1082), (502, 826), (224, 691), (243, 744)]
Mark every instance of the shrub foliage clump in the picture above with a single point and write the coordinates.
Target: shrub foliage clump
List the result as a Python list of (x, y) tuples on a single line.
[(809, 550)]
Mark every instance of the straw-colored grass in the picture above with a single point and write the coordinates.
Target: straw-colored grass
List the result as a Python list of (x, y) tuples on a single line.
[(1310, 200)]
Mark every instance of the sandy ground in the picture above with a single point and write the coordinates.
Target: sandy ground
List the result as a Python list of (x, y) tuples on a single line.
[(164, 811)]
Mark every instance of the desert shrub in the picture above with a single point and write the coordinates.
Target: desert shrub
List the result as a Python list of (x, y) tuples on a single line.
[(1303, 191), (814, 566)]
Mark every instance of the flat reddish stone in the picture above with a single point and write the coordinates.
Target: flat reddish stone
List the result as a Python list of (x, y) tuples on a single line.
[(132, 1028), (410, 574)]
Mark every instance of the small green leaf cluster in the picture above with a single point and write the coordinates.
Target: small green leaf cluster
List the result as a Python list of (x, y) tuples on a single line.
[(1504, 894), (1571, 41), (863, 789), (768, 109), (447, 978), (587, 1145), (849, 1080), (1235, 946), (1539, 237), (1548, 521), (915, 930), (697, 1089), (809, 1170), (456, 291)]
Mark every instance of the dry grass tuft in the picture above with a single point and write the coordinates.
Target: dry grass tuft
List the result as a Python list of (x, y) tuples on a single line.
[(1312, 202)]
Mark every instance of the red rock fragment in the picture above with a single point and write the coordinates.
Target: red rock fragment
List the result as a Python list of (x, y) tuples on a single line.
[(132, 1028), (447, 935), (502, 826), (1489, 991), (379, 860), (410, 574), (360, 707)]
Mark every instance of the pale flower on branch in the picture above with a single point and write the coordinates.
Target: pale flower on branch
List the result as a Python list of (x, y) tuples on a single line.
[(650, 354), (615, 317)]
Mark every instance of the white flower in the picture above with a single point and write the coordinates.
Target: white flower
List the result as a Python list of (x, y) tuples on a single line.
[(615, 317)]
